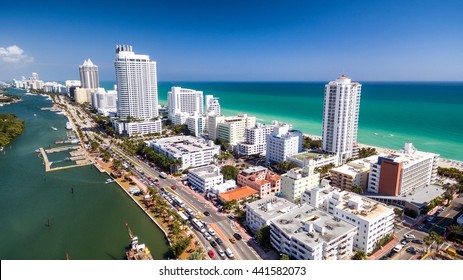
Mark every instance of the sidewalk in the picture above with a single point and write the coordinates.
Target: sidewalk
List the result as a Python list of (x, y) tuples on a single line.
[(386, 248)]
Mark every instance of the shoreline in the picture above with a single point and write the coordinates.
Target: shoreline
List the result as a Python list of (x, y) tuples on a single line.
[(443, 162)]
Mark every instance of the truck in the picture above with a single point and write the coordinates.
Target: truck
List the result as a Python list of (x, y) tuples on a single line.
[(163, 175)]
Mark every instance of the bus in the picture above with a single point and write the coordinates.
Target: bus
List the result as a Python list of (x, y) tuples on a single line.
[(198, 225), (182, 215), (163, 175), (178, 201)]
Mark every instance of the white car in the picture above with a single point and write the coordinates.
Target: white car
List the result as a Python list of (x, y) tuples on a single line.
[(207, 236), (221, 252), (409, 236)]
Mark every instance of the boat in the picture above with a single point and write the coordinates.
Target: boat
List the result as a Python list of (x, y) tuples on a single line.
[(54, 128), (109, 181), (135, 250), (68, 126)]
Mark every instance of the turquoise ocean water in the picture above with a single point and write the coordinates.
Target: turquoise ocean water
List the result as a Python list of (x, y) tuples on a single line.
[(391, 113)]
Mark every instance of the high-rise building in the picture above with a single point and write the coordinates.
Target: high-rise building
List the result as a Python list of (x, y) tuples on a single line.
[(89, 75), (340, 118), (137, 92), (183, 100), (212, 105), (229, 129), (255, 140), (282, 143)]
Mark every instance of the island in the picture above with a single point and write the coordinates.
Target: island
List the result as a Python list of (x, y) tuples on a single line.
[(10, 127)]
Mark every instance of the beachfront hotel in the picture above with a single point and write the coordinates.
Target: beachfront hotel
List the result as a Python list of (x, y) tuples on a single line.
[(255, 141), (340, 118), (184, 102), (137, 92), (400, 173), (282, 143), (352, 174), (229, 129), (212, 106)]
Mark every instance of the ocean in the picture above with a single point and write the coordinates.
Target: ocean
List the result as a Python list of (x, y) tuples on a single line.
[(429, 114)]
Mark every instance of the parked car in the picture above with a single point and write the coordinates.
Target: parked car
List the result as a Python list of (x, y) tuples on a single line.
[(409, 236), (417, 241), (411, 250)]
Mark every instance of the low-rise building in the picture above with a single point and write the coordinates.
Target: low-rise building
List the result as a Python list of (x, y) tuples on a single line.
[(264, 181), (224, 187), (306, 233), (260, 212), (205, 178), (313, 157), (137, 127), (190, 151), (239, 194), (374, 220), (351, 174), (297, 180)]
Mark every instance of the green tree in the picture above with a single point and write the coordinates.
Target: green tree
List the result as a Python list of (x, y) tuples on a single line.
[(284, 166), (263, 237), (357, 189), (366, 152), (229, 172), (284, 257), (359, 255), (198, 254)]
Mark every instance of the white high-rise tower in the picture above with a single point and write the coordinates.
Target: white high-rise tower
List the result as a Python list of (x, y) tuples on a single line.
[(340, 118), (184, 101), (89, 75), (137, 92)]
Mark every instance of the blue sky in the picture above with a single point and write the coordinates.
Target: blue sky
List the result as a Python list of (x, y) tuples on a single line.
[(225, 40)]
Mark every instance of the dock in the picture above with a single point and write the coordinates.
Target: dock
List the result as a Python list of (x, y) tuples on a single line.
[(79, 157), (61, 149)]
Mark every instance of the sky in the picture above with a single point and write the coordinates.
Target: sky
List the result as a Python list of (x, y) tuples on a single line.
[(234, 40)]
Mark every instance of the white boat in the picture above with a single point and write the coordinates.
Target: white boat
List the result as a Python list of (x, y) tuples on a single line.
[(54, 128), (68, 125), (109, 181)]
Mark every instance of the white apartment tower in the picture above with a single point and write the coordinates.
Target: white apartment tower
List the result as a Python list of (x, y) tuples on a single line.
[(89, 74), (182, 100), (212, 105), (283, 142), (137, 86), (137, 92), (340, 118)]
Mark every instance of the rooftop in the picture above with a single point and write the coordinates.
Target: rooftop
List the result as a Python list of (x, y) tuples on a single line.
[(252, 170), (270, 207), (238, 194), (311, 155), (297, 222), (208, 171), (181, 145), (363, 207), (356, 166)]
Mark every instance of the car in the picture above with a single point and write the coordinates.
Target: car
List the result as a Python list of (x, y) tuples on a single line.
[(397, 248), (417, 241), (237, 236), (213, 243), (173, 187), (232, 240), (162, 189), (409, 236), (390, 254), (221, 252), (411, 250), (218, 240), (211, 254), (207, 236), (206, 213), (404, 241)]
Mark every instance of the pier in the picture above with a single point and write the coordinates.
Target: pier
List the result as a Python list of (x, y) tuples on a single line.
[(79, 156), (61, 149)]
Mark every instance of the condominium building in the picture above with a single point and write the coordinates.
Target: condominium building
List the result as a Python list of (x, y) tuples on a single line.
[(137, 92), (282, 143), (229, 129), (374, 220), (259, 213), (89, 75), (182, 100), (266, 182), (191, 151), (306, 233), (402, 172), (205, 178), (105, 102), (255, 140), (297, 180), (212, 106), (340, 118), (83, 95), (354, 173), (196, 124)]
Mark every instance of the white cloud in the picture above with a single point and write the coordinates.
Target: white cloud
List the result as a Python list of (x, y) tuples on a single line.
[(14, 54)]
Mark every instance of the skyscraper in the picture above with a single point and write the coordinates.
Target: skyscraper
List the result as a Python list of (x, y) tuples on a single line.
[(340, 118), (89, 75), (183, 100), (137, 92)]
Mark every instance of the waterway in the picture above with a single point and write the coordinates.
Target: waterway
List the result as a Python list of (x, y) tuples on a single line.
[(70, 213)]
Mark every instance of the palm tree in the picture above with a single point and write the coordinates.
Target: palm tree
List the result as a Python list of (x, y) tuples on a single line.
[(360, 255), (198, 254)]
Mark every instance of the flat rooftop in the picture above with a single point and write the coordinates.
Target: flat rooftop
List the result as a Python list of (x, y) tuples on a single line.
[(356, 166), (252, 170), (311, 155), (270, 207), (361, 206), (208, 171), (183, 144), (294, 223)]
